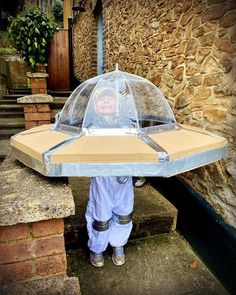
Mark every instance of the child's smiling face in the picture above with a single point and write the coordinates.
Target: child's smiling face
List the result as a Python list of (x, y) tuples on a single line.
[(106, 104)]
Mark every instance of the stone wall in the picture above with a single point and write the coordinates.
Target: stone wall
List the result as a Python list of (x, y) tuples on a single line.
[(3, 85), (85, 44), (17, 71), (188, 49)]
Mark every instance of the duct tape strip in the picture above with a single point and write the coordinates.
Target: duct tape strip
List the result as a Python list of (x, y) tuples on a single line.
[(165, 169), (48, 153), (162, 153)]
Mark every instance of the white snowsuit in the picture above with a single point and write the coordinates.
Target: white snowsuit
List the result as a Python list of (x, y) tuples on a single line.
[(108, 212)]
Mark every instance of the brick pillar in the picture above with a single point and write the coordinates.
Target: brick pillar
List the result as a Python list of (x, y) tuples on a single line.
[(32, 251), (38, 82), (37, 109)]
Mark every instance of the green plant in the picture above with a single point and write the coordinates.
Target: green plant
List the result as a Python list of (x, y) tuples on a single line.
[(57, 12), (31, 34)]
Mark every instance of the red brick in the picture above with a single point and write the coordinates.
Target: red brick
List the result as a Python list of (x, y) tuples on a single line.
[(48, 227), (30, 108), (51, 265), (14, 232), (43, 122), (43, 91), (38, 91), (37, 116), (17, 252), (50, 246), (39, 83), (43, 108), (30, 124), (15, 272)]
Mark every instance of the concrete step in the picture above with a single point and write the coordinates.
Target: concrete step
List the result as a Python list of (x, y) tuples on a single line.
[(57, 105), (22, 91), (11, 96), (7, 123), (160, 265), (4, 147), (152, 215), (8, 101), (7, 133), (11, 107), (65, 93), (59, 100), (11, 114)]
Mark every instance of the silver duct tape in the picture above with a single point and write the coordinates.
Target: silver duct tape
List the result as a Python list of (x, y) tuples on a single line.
[(47, 154), (162, 153), (29, 161), (166, 169)]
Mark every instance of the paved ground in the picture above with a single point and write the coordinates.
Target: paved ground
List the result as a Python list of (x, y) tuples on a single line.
[(161, 265)]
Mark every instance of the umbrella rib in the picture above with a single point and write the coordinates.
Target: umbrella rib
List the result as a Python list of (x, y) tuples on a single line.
[(48, 153), (134, 106), (162, 153)]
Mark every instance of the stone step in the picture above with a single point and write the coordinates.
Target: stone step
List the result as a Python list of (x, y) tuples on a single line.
[(160, 265), (65, 93), (10, 114), (152, 215), (59, 100), (6, 123), (22, 91), (11, 107), (8, 101), (4, 147), (11, 96), (7, 133)]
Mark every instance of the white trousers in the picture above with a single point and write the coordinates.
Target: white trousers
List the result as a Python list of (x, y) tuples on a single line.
[(108, 197)]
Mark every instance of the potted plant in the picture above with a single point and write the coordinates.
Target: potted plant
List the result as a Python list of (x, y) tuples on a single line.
[(31, 34)]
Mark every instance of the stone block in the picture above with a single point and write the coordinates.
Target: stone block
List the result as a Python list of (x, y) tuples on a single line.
[(35, 98), (30, 197)]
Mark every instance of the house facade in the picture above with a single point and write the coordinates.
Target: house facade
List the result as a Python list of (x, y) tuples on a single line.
[(188, 50)]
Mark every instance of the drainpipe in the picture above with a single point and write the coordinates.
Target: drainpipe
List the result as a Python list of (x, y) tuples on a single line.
[(74, 82)]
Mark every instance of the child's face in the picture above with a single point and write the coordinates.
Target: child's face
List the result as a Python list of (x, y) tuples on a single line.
[(106, 105)]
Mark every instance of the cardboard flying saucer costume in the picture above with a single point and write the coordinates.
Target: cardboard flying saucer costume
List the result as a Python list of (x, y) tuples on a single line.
[(141, 138)]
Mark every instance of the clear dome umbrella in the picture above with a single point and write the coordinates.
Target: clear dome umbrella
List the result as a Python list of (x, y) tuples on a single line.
[(116, 124)]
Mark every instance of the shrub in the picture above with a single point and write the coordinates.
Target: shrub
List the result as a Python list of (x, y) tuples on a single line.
[(31, 34), (57, 12)]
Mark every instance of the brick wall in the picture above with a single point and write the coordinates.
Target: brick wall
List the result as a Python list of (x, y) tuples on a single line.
[(188, 49), (39, 85), (32, 251), (36, 115)]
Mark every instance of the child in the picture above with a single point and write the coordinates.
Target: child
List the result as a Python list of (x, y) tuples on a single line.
[(111, 199)]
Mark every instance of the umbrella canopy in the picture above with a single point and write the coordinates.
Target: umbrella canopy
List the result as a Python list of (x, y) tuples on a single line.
[(116, 124)]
